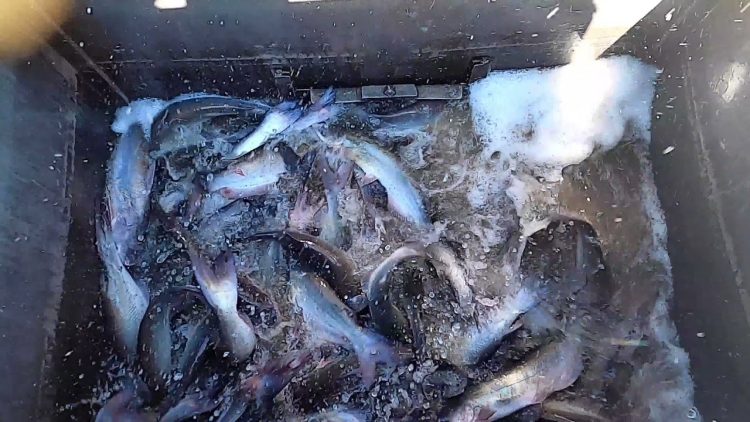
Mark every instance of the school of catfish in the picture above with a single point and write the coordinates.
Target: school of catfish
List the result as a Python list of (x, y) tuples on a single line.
[(282, 316)]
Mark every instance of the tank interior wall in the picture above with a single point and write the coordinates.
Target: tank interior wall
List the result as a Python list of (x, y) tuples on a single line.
[(703, 50), (37, 127)]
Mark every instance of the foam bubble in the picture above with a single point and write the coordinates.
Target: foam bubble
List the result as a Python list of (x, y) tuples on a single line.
[(552, 118), (535, 122), (141, 112)]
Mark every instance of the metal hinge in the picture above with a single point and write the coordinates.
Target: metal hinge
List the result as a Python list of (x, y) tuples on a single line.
[(480, 68), (282, 77), (380, 92)]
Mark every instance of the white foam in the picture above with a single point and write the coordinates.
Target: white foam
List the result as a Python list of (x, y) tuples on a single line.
[(535, 122), (140, 112), (652, 208), (549, 119)]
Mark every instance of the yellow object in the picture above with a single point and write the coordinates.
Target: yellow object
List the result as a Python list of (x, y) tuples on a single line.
[(25, 25)]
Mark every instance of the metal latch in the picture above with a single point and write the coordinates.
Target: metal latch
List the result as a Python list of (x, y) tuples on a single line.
[(282, 77), (375, 92), (380, 92), (480, 68)]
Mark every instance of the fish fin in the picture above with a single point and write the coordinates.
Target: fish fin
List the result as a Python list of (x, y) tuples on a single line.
[(372, 349), (301, 217), (484, 414), (334, 181)]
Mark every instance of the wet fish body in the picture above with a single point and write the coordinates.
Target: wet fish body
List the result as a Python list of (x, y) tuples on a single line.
[(125, 300), (276, 121), (409, 120), (204, 396), (447, 264), (155, 337), (255, 175), (574, 410), (273, 377), (321, 111), (313, 254), (219, 286), (552, 368), (403, 197), (130, 177), (492, 323), (334, 182), (477, 341), (123, 407), (197, 108), (329, 320), (386, 316)]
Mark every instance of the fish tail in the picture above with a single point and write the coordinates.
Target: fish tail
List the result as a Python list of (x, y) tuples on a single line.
[(372, 349), (328, 98), (334, 180)]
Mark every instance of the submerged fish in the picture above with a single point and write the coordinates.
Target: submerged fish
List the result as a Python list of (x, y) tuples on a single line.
[(192, 405), (155, 338), (130, 176), (276, 121), (198, 108), (577, 410), (492, 323), (204, 396), (386, 316), (124, 406), (322, 110), (313, 254), (273, 377), (329, 320), (325, 382), (447, 264), (219, 286), (334, 181), (403, 197), (552, 368), (125, 300), (414, 118)]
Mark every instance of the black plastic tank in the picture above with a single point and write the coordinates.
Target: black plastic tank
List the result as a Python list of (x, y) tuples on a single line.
[(57, 102)]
